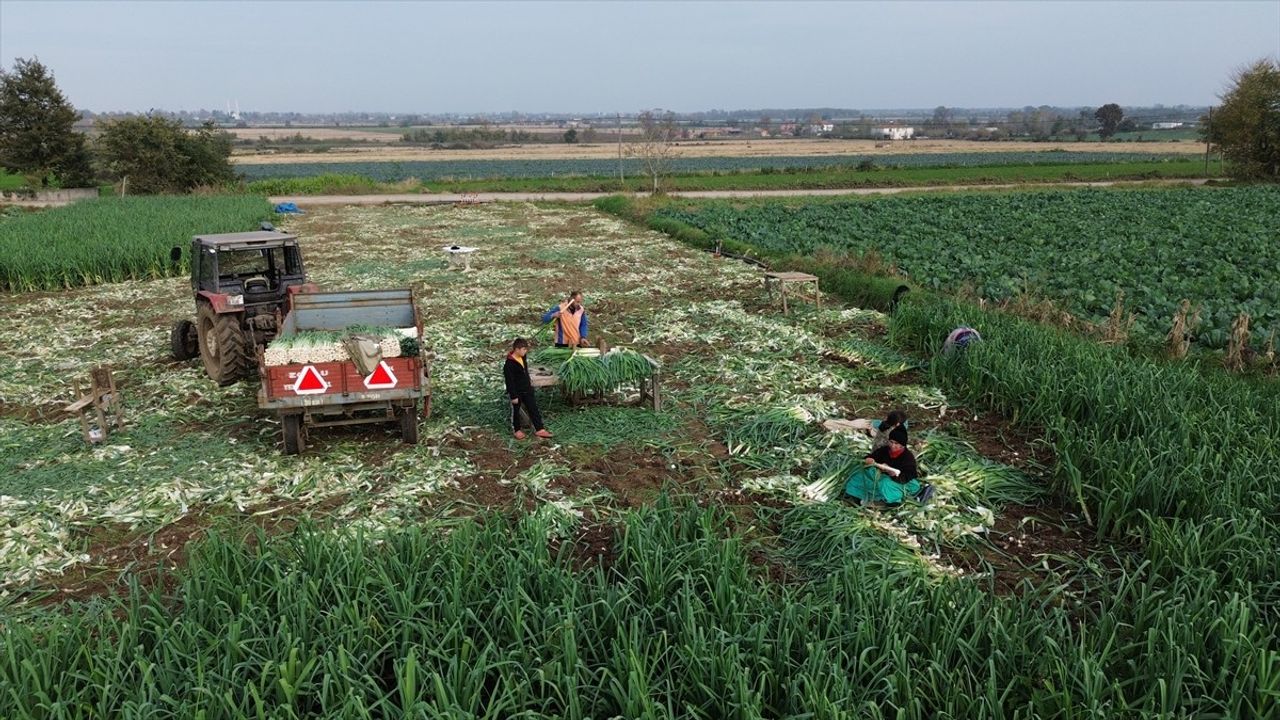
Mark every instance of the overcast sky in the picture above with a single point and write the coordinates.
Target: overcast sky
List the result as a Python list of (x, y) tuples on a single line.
[(606, 56)]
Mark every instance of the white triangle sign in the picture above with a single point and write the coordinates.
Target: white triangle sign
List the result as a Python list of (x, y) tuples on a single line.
[(382, 378), (310, 382)]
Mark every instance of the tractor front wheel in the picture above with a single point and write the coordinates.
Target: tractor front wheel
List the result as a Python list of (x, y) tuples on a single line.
[(223, 346), (184, 341)]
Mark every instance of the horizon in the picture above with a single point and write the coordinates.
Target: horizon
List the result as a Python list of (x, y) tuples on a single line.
[(575, 58)]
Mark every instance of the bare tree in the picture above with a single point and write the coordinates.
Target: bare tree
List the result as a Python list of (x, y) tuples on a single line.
[(655, 145)]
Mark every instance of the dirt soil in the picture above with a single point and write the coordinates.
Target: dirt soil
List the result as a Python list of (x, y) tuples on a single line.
[(592, 545), (633, 477), (115, 551), (1025, 544)]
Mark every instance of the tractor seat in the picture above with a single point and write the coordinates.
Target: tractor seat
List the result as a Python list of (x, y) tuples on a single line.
[(257, 285)]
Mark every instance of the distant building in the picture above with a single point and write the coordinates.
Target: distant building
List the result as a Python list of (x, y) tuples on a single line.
[(1166, 125), (819, 128), (896, 133)]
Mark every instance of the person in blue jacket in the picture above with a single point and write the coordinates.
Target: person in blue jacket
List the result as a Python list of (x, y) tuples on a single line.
[(570, 318)]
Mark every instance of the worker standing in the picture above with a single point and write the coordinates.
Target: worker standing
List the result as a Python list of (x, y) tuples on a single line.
[(570, 319), (515, 373)]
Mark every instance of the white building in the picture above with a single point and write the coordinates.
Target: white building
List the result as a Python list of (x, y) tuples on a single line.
[(896, 133), (1166, 125)]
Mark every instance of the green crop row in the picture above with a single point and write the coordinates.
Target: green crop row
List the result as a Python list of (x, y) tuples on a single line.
[(493, 620), (114, 239), (1078, 248)]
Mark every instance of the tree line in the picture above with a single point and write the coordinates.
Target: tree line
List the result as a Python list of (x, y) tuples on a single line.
[(148, 154)]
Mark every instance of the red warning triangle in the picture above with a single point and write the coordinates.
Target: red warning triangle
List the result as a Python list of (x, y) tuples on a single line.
[(309, 381), (381, 378)]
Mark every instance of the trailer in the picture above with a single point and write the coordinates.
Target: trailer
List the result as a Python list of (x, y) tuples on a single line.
[(309, 394)]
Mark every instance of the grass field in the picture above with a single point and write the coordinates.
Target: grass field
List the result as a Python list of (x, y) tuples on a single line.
[(683, 564), (11, 182), (803, 179), (1214, 247), (114, 239), (464, 170)]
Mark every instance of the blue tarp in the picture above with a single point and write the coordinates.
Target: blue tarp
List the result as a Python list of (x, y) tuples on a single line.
[(288, 208)]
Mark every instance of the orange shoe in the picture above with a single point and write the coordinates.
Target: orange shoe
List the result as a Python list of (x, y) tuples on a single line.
[(519, 434), (544, 434)]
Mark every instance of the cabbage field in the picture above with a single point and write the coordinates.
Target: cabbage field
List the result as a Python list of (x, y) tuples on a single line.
[(1215, 247), (113, 239), (437, 170)]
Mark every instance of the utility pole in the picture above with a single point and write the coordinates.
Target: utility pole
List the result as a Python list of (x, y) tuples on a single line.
[(1207, 136), (621, 179)]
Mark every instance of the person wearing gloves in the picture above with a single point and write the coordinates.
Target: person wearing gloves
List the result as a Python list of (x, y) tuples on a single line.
[(515, 373), (891, 474), (570, 318)]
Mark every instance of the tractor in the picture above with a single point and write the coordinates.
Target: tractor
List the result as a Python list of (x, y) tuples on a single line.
[(242, 284)]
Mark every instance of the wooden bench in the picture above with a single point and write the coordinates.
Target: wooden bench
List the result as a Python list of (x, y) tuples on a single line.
[(792, 282)]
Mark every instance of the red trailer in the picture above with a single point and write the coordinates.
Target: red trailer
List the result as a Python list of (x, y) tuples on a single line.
[(324, 394)]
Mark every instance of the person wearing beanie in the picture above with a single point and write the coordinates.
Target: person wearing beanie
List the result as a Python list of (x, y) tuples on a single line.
[(890, 475)]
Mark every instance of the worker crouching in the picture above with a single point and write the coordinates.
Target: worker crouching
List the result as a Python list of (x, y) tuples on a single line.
[(891, 474)]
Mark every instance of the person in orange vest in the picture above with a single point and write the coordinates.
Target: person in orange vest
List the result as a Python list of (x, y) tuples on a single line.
[(515, 372), (570, 318)]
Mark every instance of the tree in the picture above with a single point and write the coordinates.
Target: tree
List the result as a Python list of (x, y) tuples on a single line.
[(1108, 117), (655, 145), (1246, 128), (571, 135), (158, 156), (37, 135)]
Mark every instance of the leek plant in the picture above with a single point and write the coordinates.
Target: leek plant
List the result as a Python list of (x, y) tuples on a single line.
[(490, 620)]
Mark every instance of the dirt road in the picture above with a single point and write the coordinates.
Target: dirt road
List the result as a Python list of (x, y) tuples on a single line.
[(449, 198)]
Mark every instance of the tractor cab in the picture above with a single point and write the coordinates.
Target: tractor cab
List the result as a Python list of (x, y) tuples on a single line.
[(249, 271), (242, 283)]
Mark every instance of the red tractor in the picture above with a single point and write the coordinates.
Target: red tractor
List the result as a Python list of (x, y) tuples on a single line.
[(242, 284)]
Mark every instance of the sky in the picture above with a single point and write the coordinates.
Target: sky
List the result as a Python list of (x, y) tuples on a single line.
[(439, 57)]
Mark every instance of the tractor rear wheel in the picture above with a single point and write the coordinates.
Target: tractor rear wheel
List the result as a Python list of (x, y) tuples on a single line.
[(292, 430), (184, 341), (223, 346), (408, 424)]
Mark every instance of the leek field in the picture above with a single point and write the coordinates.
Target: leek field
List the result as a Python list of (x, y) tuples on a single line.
[(1101, 543), (114, 239), (1077, 248)]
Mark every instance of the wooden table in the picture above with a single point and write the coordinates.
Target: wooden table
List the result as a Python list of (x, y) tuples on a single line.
[(784, 282)]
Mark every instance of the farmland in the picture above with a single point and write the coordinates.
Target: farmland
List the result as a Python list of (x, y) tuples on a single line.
[(1078, 248), (113, 239), (459, 169), (749, 147), (641, 564)]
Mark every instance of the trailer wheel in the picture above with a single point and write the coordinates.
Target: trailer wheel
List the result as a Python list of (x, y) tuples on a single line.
[(292, 430), (184, 342), (408, 424)]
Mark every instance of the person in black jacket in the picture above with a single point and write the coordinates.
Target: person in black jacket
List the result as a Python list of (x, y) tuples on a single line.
[(890, 475), (516, 374)]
